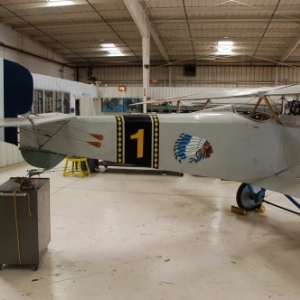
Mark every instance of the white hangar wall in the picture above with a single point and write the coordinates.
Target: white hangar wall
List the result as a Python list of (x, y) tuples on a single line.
[(77, 90), (32, 55)]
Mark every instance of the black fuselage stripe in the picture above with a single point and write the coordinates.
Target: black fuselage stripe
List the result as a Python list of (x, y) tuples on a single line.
[(120, 142), (155, 142)]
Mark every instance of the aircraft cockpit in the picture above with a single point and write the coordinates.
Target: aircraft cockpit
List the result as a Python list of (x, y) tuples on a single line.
[(260, 116)]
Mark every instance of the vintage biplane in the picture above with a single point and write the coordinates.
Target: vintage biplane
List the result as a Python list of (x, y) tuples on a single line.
[(260, 149)]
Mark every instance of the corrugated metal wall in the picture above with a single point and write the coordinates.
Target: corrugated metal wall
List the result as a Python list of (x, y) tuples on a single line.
[(34, 64), (206, 76), (10, 154)]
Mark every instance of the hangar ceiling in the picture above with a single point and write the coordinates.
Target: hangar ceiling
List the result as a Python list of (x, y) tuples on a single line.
[(182, 31)]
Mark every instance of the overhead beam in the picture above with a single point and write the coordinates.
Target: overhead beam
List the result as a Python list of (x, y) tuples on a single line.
[(126, 22), (222, 31), (173, 42), (183, 34), (183, 54), (205, 20), (90, 15), (96, 36), (177, 48), (292, 48), (144, 25), (78, 25), (193, 10), (162, 10), (43, 4)]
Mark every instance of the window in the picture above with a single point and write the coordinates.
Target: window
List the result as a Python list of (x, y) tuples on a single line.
[(50, 101)]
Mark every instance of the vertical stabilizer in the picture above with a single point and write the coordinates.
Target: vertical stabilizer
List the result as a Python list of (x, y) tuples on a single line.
[(16, 95)]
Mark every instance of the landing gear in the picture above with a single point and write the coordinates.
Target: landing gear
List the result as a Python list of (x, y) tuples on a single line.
[(34, 267), (249, 197)]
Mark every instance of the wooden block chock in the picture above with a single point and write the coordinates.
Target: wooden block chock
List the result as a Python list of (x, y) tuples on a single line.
[(238, 210), (78, 166), (261, 209)]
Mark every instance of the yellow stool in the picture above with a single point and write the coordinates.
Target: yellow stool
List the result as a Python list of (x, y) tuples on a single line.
[(77, 164)]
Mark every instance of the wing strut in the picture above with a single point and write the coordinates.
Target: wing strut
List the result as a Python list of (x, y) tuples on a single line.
[(265, 98), (203, 107), (206, 104), (178, 107)]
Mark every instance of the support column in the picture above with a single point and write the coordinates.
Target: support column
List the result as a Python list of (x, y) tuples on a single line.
[(146, 69), (142, 22), (170, 80)]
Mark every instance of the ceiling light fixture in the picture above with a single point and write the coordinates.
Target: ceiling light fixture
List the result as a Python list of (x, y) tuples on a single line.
[(224, 47), (115, 51), (54, 3), (108, 45), (112, 49)]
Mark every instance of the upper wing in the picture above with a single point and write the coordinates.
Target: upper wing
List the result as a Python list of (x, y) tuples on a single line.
[(168, 99), (285, 90), (233, 93)]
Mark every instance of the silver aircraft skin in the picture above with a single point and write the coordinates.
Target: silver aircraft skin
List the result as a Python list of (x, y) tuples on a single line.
[(216, 143), (262, 150)]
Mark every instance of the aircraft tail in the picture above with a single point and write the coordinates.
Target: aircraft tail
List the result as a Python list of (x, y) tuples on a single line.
[(16, 97)]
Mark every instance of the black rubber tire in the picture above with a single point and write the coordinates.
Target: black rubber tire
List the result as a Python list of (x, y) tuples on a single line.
[(35, 267), (1, 267), (244, 199)]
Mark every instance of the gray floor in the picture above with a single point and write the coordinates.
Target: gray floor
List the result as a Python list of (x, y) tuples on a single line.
[(130, 234)]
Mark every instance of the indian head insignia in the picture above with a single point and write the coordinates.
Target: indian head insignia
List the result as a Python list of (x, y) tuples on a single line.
[(192, 147)]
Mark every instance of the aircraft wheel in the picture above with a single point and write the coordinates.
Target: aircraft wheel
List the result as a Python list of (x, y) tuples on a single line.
[(1, 267), (249, 197), (34, 267)]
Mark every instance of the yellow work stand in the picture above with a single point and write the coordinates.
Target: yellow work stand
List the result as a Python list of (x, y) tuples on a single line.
[(79, 166)]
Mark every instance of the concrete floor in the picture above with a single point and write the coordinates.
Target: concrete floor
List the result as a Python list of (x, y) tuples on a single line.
[(131, 234)]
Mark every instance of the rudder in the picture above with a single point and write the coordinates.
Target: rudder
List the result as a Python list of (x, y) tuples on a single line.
[(16, 95)]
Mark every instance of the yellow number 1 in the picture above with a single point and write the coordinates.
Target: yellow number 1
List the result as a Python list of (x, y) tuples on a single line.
[(139, 136)]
